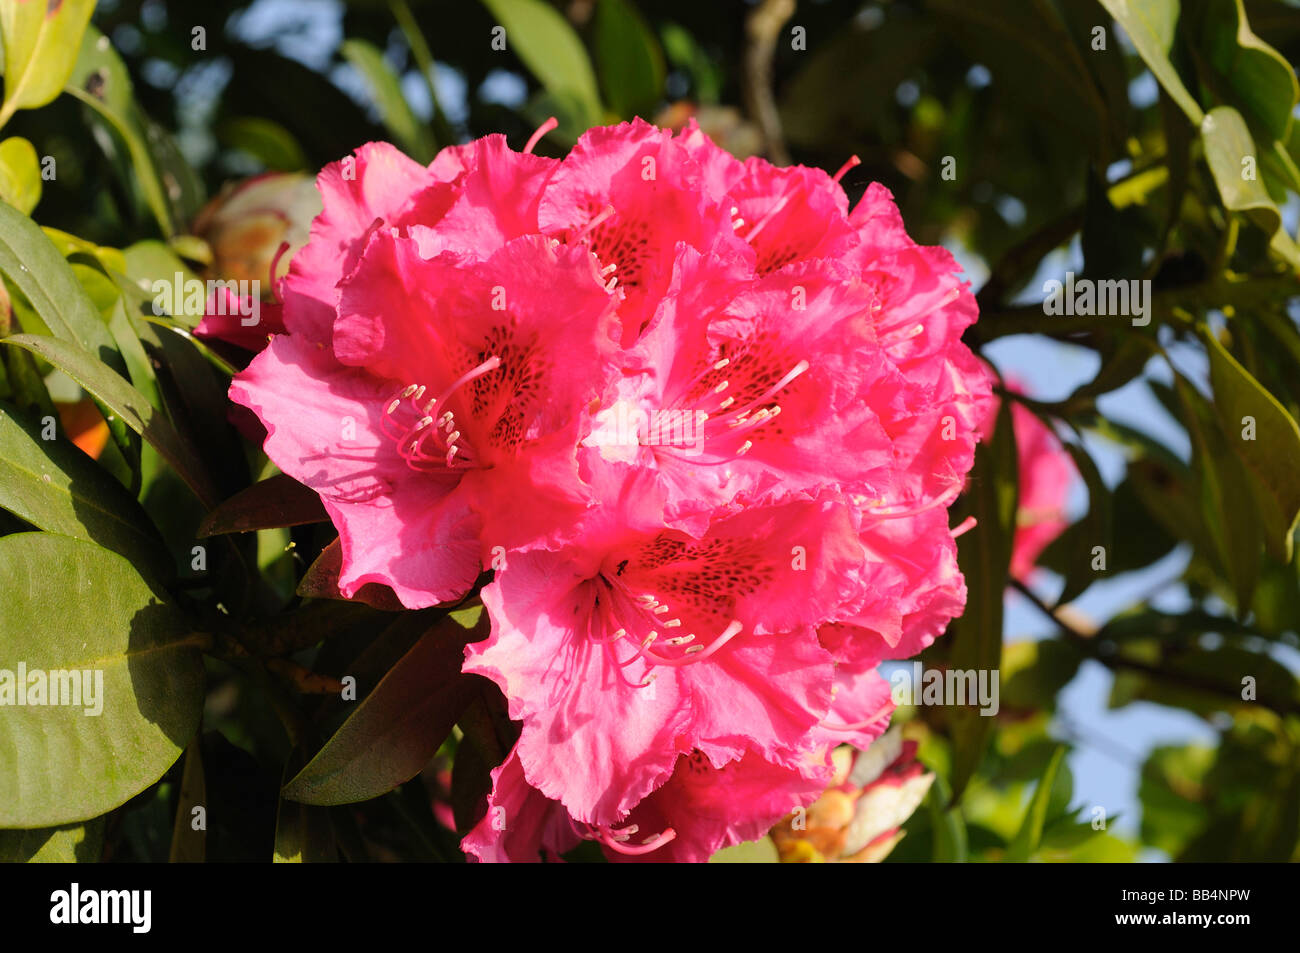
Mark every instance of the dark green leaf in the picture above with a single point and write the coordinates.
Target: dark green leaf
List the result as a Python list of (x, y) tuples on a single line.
[(274, 502), (396, 729)]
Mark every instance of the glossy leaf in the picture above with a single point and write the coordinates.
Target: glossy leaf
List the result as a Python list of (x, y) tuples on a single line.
[(55, 487), (540, 36), (396, 729), (1261, 432), (20, 174), (33, 264), (40, 37), (630, 62), (274, 502), (70, 606), (1150, 24), (125, 401)]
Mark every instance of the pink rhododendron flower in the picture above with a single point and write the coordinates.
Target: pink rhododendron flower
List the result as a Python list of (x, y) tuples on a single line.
[(700, 419), (700, 809), (1046, 472)]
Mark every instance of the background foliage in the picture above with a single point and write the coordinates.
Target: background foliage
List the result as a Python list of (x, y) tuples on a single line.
[(169, 558)]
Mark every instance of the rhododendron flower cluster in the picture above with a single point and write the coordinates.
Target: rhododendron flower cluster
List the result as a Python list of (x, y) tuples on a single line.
[(700, 420)]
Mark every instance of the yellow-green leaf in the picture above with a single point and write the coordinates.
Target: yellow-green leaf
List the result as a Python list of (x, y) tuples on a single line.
[(20, 174), (41, 39)]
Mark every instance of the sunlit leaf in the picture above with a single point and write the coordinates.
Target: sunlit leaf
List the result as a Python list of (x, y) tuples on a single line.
[(71, 607)]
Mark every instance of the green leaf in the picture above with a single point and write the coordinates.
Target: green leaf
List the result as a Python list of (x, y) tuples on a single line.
[(1171, 792), (34, 266), (1234, 531), (189, 845), (264, 139), (101, 81), (396, 729), (386, 91), (125, 401), (948, 826), (1092, 530), (20, 174), (541, 38), (70, 606), (984, 553), (1150, 24), (1272, 455), (39, 37), (1030, 835), (1230, 153), (687, 55), (303, 832), (55, 487), (761, 851), (630, 62), (68, 844), (1154, 624), (1262, 81), (274, 502), (1033, 673)]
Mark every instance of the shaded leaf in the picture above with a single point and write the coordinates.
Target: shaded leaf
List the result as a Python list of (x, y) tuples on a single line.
[(189, 844), (984, 554), (396, 729), (321, 581), (68, 844), (277, 501), (630, 61)]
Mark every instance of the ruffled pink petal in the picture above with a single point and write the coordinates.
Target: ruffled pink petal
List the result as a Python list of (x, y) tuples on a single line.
[(379, 185), (398, 527), (709, 808), (592, 739), (521, 825)]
